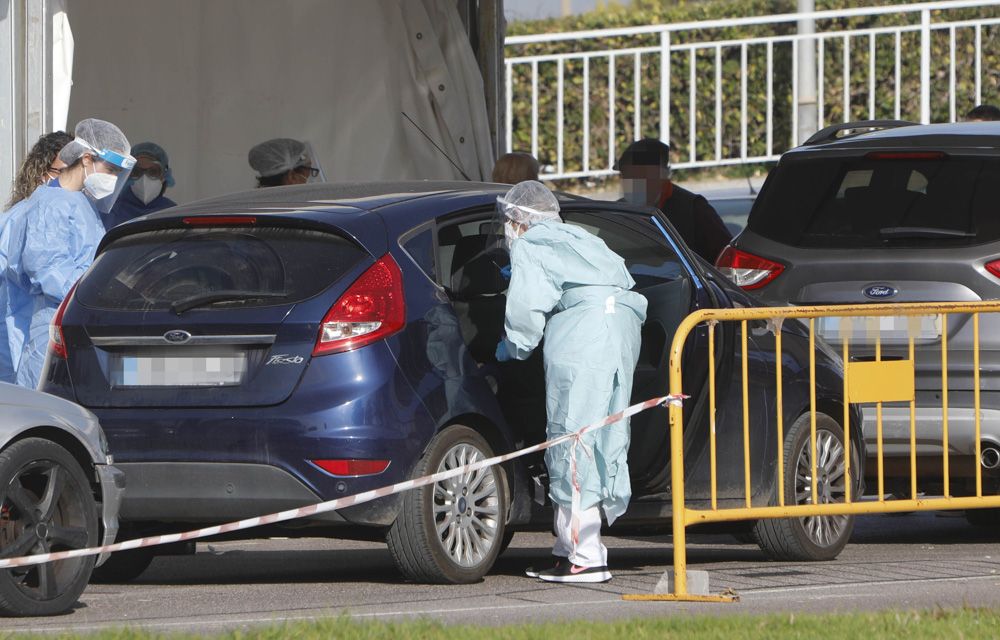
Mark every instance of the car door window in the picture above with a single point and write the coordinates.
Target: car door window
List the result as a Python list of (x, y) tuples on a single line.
[(469, 257), (650, 261), (420, 247)]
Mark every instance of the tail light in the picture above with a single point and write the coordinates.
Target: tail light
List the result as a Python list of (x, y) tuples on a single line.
[(372, 309), (994, 268), (747, 270), (352, 468), (57, 342)]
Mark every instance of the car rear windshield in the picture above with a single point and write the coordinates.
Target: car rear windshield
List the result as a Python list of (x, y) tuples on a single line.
[(249, 267), (890, 199)]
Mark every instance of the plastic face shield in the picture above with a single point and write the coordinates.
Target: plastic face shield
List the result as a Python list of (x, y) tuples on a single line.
[(313, 160), (117, 164)]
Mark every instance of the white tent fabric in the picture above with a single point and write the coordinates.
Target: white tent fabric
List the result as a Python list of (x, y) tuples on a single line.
[(62, 64), (209, 79)]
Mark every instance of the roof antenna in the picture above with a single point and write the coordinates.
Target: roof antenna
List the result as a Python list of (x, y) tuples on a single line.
[(429, 139)]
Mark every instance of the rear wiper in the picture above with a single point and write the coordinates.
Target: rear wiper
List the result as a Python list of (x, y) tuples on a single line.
[(924, 232), (180, 306)]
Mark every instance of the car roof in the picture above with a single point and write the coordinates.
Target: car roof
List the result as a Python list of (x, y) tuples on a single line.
[(345, 199), (346, 196), (345, 205), (959, 136)]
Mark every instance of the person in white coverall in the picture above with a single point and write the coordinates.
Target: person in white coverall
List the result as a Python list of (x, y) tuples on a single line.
[(570, 288)]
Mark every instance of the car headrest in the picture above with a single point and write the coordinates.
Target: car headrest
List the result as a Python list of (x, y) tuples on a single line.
[(480, 275), (449, 235), (468, 248)]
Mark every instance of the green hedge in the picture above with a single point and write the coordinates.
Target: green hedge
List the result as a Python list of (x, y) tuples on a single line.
[(645, 12)]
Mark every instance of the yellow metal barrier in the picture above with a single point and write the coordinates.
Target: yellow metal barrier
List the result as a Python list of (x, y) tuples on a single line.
[(875, 381)]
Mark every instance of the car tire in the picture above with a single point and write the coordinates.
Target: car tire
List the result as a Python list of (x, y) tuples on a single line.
[(440, 535), (508, 537), (46, 504), (818, 537), (124, 566)]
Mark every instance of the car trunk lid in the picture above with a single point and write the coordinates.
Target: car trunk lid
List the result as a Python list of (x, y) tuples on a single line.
[(214, 315)]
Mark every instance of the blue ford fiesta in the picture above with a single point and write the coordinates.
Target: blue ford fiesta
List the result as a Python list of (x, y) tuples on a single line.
[(280, 347)]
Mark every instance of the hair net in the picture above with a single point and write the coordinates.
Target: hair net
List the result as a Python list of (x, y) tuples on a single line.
[(156, 152), (529, 203), (93, 135), (274, 157)]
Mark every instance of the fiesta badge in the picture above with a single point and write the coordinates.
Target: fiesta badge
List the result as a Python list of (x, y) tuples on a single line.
[(880, 292)]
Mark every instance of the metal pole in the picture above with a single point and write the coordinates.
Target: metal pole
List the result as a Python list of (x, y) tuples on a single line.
[(9, 97), (664, 87), (806, 62), (677, 478), (925, 66), (37, 79), (490, 51)]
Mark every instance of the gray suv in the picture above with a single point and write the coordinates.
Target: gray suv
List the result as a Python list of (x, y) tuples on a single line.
[(889, 211)]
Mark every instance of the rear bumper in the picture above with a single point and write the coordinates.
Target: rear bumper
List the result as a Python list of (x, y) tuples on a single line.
[(216, 464), (211, 492), (929, 429)]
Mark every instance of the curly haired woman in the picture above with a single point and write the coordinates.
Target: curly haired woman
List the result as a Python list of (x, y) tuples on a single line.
[(40, 166)]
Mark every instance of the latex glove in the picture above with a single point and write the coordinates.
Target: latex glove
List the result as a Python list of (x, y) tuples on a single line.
[(503, 354), (505, 272)]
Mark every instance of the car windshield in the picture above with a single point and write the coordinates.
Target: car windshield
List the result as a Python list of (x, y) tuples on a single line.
[(894, 200)]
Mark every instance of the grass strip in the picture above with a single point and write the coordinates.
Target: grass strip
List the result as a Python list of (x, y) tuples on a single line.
[(913, 625)]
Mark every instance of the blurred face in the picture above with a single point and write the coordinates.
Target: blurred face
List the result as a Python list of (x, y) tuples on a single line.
[(643, 184)]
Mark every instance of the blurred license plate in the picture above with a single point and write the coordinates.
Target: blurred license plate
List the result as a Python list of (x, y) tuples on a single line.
[(889, 328), (188, 371)]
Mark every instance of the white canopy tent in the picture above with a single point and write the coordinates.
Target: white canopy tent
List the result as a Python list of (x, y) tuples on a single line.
[(208, 79)]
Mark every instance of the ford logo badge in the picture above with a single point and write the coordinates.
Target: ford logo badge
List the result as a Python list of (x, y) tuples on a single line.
[(880, 291), (177, 336)]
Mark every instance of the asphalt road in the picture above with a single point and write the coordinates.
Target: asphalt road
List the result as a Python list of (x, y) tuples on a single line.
[(915, 561)]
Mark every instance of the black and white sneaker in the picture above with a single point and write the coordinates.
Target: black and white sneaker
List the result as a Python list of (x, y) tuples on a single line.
[(532, 572), (569, 572)]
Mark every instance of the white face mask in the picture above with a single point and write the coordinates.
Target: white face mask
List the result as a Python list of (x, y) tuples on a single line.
[(100, 185), (510, 232), (147, 189)]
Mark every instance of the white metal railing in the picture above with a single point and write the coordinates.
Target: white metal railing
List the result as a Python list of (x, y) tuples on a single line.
[(872, 82)]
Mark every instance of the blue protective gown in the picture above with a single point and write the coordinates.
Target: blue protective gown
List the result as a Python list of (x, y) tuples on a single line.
[(46, 243), (568, 287), (128, 207)]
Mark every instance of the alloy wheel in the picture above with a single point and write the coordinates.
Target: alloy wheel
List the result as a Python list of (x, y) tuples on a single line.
[(823, 531), (466, 508), (42, 511)]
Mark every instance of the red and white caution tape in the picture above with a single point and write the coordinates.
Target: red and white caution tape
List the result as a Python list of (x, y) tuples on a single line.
[(332, 505)]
